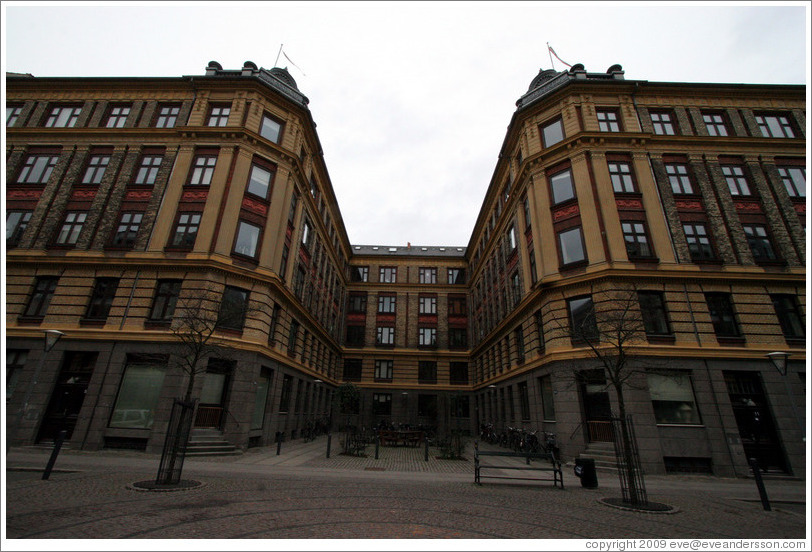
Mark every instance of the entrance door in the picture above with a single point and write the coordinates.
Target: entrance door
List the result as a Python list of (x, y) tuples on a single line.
[(755, 421), (68, 395), (597, 409), (212, 400)]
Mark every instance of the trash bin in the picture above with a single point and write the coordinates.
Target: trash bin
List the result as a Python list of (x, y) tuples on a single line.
[(585, 469)]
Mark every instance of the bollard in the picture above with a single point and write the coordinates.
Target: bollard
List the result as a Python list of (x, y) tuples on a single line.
[(426, 458), (51, 461), (762, 492), (377, 445), (329, 442), (278, 443)]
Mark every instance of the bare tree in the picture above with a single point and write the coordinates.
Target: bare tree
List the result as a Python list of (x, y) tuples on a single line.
[(612, 324)]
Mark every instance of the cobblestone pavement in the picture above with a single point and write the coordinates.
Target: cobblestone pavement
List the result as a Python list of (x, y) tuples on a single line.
[(301, 494)]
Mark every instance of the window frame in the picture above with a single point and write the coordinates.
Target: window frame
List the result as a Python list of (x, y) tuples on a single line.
[(13, 112), (34, 173), (253, 183), (182, 229), (55, 116), (785, 172), (218, 114), (384, 370), (623, 179), (555, 139), (654, 313), (128, 229), (562, 251), (16, 228), (427, 337), (238, 299), (387, 303), (254, 239), (117, 115), (702, 249), (385, 336), (665, 124), (608, 119), (42, 292), (279, 123), (427, 275), (388, 274), (687, 390), (637, 248), (789, 315), (148, 167), (579, 336), (736, 180), (101, 298), (72, 225), (680, 179), (723, 315), (95, 168), (165, 299), (770, 123), (162, 120), (427, 304), (717, 122), (554, 187), (202, 169), (760, 243)]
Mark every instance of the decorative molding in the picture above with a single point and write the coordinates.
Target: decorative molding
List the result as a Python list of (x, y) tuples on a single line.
[(195, 195), (254, 206), (23, 194), (566, 212), (689, 205), (629, 204), (748, 206)]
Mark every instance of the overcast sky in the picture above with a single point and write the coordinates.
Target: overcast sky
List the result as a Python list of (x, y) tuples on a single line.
[(412, 100)]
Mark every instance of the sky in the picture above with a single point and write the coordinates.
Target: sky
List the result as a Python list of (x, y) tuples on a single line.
[(412, 99)]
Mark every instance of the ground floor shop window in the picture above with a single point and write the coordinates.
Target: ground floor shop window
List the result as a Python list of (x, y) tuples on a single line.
[(138, 395), (672, 396)]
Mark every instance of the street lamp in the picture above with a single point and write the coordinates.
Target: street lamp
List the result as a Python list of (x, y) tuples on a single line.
[(51, 337), (779, 360)]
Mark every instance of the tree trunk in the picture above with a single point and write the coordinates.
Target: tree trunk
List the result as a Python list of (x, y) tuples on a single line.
[(627, 449)]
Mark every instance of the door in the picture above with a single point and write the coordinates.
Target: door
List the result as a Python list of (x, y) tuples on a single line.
[(597, 408), (68, 395), (212, 400), (754, 419)]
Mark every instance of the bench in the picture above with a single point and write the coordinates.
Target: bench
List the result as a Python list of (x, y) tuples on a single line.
[(410, 438), (554, 465)]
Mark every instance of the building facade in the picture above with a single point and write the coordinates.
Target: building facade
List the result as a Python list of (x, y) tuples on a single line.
[(133, 202)]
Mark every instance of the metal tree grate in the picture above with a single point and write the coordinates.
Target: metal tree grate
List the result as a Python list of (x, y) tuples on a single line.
[(629, 470), (177, 437)]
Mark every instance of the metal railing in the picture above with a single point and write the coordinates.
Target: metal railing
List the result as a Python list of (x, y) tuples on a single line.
[(209, 416), (600, 430)]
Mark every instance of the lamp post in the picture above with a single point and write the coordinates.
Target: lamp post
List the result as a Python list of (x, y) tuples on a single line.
[(779, 360), (51, 337)]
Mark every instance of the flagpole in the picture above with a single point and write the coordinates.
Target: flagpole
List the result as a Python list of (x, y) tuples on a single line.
[(280, 51), (551, 56)]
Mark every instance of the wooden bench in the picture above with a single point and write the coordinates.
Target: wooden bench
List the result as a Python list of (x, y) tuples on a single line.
[(554, 465)]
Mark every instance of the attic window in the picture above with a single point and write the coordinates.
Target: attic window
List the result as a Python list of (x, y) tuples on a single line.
[(393, 249)]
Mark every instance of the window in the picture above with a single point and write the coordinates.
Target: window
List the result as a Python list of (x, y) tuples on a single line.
[(382, 404), (261, 398), (63, 117), (274, 322), (457, 338), (663, 123), (715, 124), (386, 336), (127, 230), (458, 373), (621, 175), (571, 244), (259, 183), (552, 133), (516, 288), (37, 169), (636, 238), (456, 306), (699, 245), (233, 308), (148, 170), (355, 336), (218, 115), (386, 303), (526, 208), (388, 275), (138, 394), (427, 337), (306, 233), (774, 126), (511, 235), (117, 116), (427, 406), (789, 315), (71, 228), (357, 302), (15, 363), (359, 273), (383, 370), (166, 297), (202, 170), (426, 371), (562, 187), (722, 315), (247, 239), (794, 179), (456, 276), (167, 116), (678, 178), (518, 338), (524, 401), (95, 169), (736, 181), (104, 291), (608, 120), (352, 369), (652, 308), (271, 128), (16, 223), (12, 114), (759, 242), (427, 305), (547, 403), (186, 230), (427, 275), (540, 330), (44, 287), (284, 396), (672, 397), (582, 319)]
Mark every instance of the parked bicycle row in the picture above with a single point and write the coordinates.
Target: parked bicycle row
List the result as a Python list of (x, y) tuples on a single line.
[(520, 439)]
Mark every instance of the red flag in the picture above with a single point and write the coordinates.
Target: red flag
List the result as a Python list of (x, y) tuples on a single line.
[(556, 56)]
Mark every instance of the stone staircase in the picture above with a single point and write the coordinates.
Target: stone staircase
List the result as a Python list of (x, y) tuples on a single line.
[(603, 453), (209, 442)]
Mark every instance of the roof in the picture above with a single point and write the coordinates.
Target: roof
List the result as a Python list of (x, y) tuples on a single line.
[(441, 251)]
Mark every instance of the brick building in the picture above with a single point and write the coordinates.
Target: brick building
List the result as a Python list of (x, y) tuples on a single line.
[(129, 199)]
